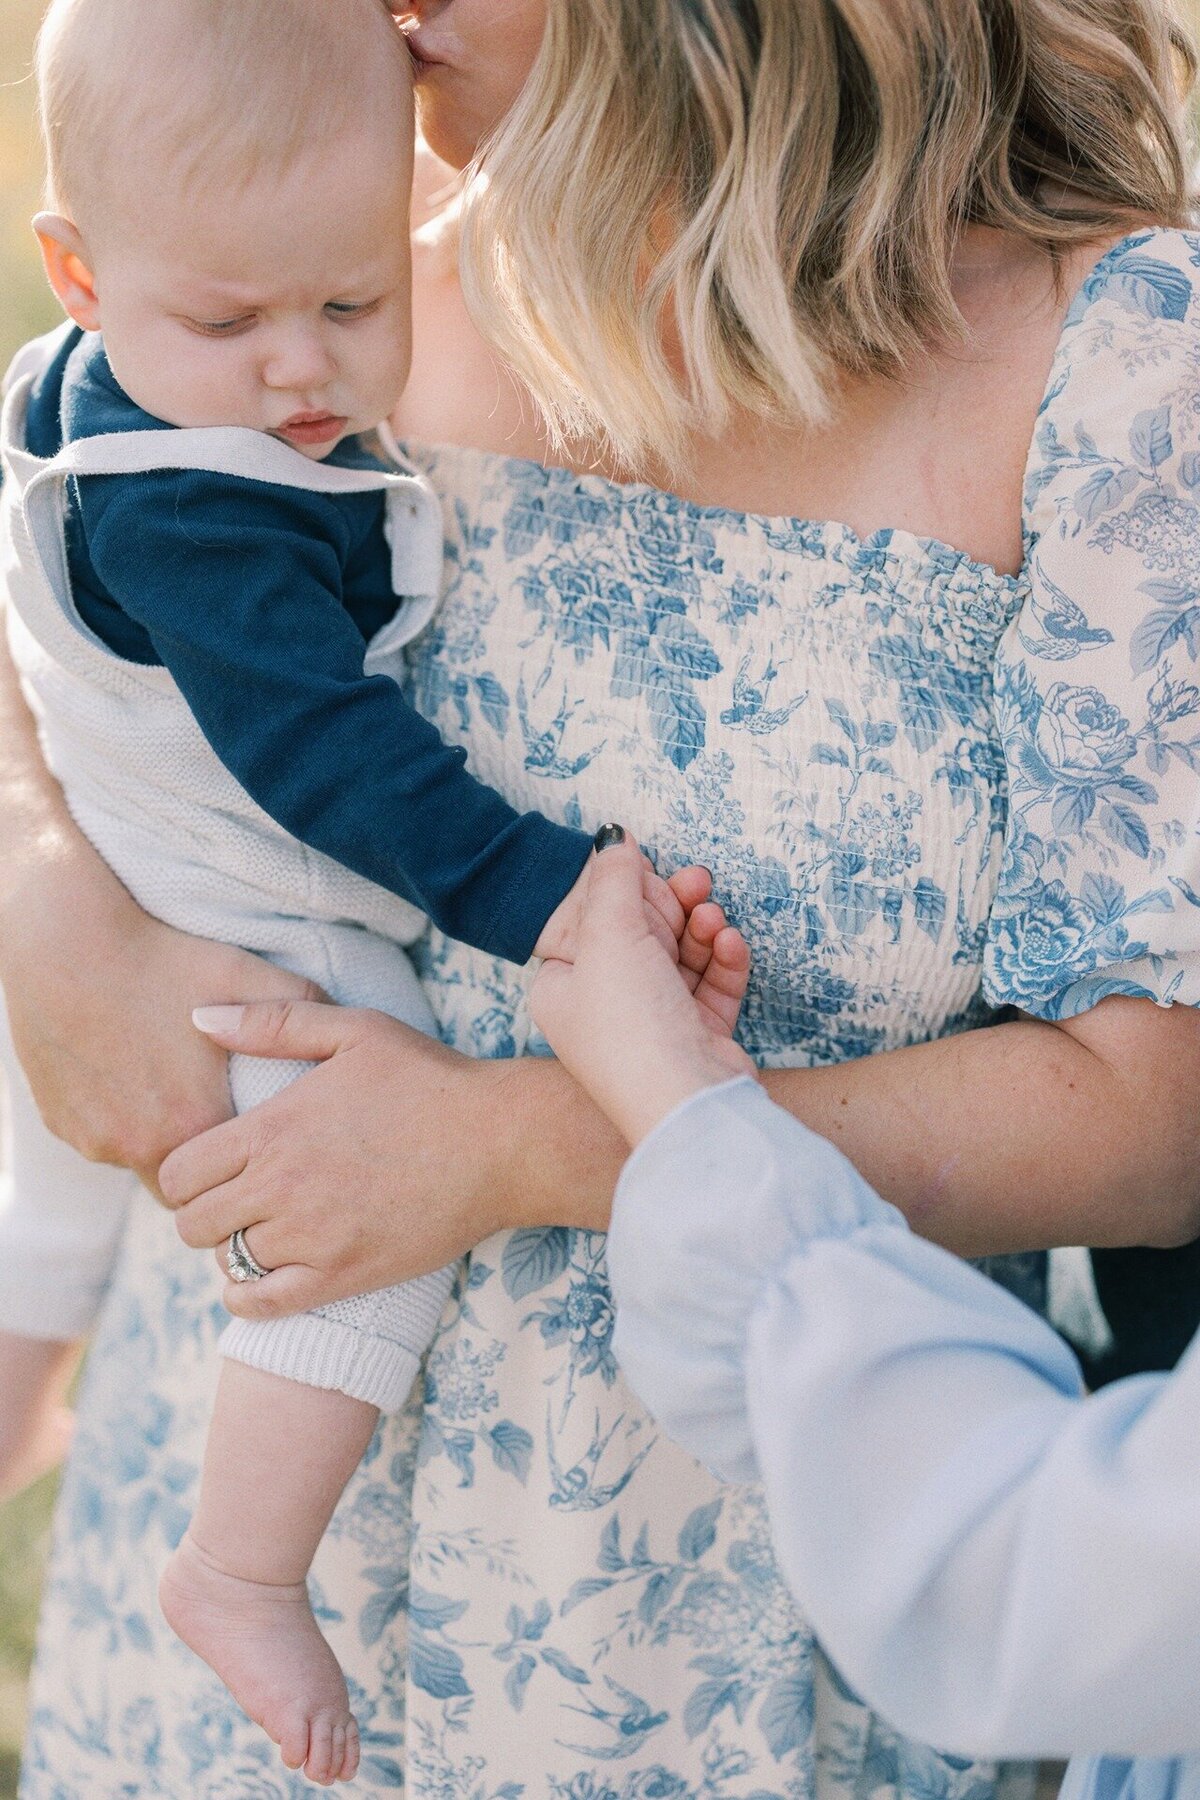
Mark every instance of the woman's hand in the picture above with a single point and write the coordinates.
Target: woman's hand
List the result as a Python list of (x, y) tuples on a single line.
[(387, 1161), (639, 1027)]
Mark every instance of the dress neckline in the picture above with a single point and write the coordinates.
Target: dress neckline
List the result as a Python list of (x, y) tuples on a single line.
[(829, 537)]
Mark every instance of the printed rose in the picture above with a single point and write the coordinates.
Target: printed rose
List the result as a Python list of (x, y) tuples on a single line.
[(1040, 947), (1024, 859), (1082, 738)]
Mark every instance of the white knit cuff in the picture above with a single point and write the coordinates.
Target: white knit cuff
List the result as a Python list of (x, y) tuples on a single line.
[(322, 1353)]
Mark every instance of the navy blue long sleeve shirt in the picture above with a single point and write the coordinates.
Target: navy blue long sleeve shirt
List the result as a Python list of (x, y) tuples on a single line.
[(260, 599)]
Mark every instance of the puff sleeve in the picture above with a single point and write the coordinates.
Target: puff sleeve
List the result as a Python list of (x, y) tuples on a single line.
[(1097, 683)]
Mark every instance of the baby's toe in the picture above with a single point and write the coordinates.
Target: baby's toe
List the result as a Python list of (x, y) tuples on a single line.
[(350, 1759), (324, 1762), (294, 1741)]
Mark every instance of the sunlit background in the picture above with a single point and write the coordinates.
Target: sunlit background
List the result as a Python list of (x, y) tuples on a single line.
[(25, 309)]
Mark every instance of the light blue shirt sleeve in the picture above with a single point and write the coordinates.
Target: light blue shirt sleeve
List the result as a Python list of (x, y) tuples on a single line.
[(998, 1564)]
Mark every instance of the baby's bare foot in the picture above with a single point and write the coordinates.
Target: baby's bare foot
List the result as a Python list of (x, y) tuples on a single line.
[(266, 1646)]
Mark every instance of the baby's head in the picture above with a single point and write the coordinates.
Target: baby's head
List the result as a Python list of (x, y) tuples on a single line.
[(228, 190)]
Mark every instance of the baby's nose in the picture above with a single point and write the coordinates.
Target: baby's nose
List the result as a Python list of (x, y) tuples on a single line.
[(297, 360)]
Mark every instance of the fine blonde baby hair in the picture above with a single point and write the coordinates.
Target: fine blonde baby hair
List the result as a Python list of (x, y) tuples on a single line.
[(202, 88), (701, 205)]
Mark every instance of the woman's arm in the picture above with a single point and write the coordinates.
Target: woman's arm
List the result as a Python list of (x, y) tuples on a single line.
[(1028, 1134), (99, 994), (1017, 1137)]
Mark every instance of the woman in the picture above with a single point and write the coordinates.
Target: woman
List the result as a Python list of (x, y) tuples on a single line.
[(808, 708)]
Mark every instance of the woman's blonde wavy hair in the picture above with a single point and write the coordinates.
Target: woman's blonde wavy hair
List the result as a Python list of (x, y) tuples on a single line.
[(782, 183)]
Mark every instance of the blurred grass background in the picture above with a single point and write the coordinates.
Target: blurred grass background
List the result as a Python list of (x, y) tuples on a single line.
[(25, 309)]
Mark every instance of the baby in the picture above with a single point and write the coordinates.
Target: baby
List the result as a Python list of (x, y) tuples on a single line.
[(205, 536)]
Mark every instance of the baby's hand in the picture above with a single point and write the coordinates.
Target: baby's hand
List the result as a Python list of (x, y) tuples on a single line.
[(664, 915), (639, 1024)]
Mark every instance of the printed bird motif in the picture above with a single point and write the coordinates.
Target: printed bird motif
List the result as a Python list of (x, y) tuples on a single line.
[(1067, 632), (574, 1489), (750, 711), (632, 1723), (543, 749)]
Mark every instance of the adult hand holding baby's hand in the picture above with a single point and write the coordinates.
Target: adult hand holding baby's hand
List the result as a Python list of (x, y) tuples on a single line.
[(638, 1028), (664, 910)]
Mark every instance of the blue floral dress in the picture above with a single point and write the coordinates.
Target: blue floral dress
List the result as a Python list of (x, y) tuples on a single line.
[(534, 1593)]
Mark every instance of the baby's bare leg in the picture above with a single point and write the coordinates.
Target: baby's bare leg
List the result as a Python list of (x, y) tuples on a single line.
[(35, 1425), (279, 1455)]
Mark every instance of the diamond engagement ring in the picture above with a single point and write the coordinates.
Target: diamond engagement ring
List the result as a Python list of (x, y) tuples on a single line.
[(242, 1264)]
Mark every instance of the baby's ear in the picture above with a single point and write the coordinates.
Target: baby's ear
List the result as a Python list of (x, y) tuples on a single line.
[(68, 268)]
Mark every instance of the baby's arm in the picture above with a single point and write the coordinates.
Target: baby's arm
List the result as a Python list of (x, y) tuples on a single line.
[(242, 599)]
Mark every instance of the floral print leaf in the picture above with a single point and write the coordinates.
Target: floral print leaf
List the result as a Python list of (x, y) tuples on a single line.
[(1150, 438), (533, 1259), (494, 703), (433, 1610), (930, 905), (679, 643), (1103, 490), (1126, 828), (677, 717), (517, 1680), (1073, 807), (1155, 633), (512, 1448), (830, 755), (384, 1770), (570, 1671), (786, 1714), (610, 1557), (587, 1589), (435, 1668), (379, 1612), (699, 1531), (1152, 288), (840, 715), (708, 1701), (658, 1593)]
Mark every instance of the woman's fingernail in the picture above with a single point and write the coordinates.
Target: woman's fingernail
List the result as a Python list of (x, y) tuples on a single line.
[(607, 836), (217, 1018)]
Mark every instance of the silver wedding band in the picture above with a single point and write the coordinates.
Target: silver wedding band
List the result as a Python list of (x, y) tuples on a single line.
[(241, 1262)]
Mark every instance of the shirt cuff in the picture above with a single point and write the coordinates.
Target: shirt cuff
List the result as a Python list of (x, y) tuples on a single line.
[(711, 1205), (533, 873)]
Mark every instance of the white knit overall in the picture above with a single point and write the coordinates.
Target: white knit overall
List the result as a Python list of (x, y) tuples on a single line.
[(195, 850)]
